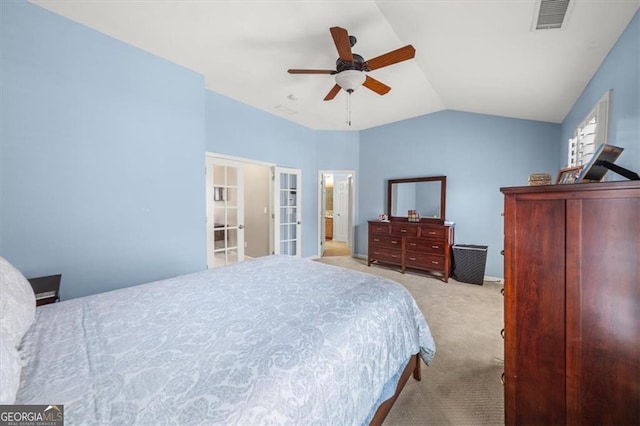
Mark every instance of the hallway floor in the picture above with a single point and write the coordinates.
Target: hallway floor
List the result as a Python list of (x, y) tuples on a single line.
[(336, 248)]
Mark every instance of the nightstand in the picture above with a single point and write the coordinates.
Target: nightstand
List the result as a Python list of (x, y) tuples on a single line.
[(46, 289)]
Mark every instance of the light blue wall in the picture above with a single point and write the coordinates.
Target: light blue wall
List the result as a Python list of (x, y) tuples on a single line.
[(103, 148), (619, 71), (102, 156), (478, 154), (239, 130)]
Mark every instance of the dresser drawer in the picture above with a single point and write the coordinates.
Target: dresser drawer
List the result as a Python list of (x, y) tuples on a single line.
[(402, 229), (425, 245), (379, 228), (431, 262), (385, 255), (437, 233), (388, 241)]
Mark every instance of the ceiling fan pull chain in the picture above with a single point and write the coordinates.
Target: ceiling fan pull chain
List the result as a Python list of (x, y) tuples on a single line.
[(349, 106)]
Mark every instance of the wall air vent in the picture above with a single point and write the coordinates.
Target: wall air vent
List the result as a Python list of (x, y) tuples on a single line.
[(550, 14)]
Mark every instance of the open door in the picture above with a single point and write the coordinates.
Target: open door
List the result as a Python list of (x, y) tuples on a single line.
[(341, 211), (225, 212), (287, 211), (323, 208), (338, 201)]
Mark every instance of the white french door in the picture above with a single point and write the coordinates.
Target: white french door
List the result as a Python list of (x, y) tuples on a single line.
[(287, 211), (225, 211)]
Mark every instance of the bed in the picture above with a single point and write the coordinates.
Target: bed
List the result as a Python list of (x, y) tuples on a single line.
[(273, 340)]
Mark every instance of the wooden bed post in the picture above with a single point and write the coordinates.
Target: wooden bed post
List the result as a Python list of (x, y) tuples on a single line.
[(413, 367), (417, 374)]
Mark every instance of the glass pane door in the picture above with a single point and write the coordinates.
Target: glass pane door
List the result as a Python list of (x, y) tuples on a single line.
[(225, 212), (288, 213)]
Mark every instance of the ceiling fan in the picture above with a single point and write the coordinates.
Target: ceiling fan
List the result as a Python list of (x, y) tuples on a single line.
[(351, 67)]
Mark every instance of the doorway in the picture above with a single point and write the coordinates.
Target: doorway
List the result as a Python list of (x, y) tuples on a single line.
[(336, 212), (239, 209)]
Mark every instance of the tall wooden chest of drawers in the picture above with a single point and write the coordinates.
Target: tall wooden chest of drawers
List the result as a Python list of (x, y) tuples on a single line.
[(416, 245), (572, 304)]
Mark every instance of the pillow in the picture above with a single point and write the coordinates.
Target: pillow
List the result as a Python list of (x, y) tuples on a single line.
[(17, 303), (10, 369)]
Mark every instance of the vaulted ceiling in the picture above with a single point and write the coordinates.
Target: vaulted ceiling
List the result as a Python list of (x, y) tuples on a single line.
[(477, 56)]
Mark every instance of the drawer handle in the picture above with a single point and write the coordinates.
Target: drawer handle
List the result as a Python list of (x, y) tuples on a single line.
[(412, 258), (502, 252), (403, 230), (435, 246), (502, 379), (394, 255), (376, 239), (502, 291), (412, 244), (432, 232), (376, 252), (394, 242), (502, 333), (435, 263)]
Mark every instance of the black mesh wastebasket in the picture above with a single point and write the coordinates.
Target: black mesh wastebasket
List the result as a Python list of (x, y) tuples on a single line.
[(469, 262)]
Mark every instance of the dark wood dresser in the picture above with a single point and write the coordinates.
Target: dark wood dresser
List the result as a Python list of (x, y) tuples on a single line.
[(417, 245), (572, 304)]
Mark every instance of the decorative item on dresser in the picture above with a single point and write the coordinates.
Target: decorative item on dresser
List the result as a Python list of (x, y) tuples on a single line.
[(536, 179), (423, 243), (572, 298), (602, 161), (568, 175)]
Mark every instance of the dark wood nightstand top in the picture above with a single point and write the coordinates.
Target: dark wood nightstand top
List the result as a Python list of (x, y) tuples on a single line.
[(46, 289)]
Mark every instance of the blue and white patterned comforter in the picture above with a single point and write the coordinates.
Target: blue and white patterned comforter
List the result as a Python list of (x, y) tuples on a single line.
[(272, 340)]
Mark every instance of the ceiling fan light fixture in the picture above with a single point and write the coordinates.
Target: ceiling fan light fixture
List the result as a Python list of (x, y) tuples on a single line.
[(350, 80)]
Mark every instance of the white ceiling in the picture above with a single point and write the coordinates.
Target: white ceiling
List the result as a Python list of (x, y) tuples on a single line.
[(471, 55)]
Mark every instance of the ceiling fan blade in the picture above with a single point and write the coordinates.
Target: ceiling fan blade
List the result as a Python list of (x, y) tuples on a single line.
[(296, 71), (377, 86), (341, 40), (390, 58), (332, 93)]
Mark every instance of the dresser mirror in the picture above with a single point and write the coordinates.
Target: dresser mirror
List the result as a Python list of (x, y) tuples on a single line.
[(425, 195)]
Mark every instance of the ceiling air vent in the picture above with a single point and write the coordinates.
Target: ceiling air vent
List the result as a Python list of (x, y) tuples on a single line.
[(551, 14)]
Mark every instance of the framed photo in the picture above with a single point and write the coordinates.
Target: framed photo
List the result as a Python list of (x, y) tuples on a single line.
[(568, 175), (601, 162)]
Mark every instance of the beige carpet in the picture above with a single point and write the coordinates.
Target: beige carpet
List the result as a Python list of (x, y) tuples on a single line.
[(336, 248), (462, 386)]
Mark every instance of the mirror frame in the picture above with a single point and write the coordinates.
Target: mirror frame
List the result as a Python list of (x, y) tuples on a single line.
[(443, 197)]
